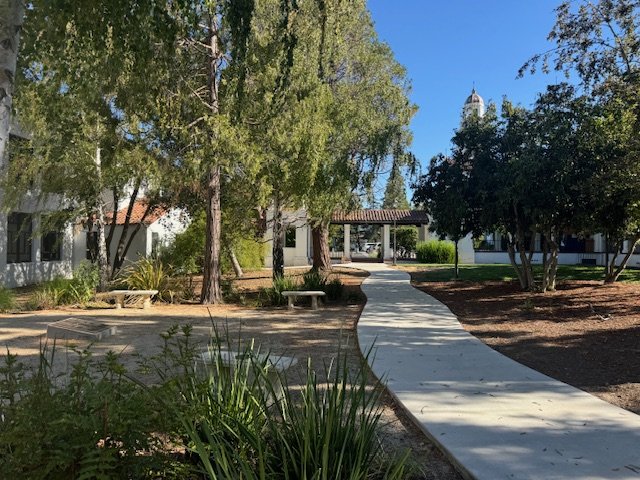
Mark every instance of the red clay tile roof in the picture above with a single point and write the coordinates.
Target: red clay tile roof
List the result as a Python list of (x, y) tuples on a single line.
[(400, 217), (139, 208)]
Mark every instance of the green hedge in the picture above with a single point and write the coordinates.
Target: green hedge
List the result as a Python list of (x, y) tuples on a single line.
[(435, 251)]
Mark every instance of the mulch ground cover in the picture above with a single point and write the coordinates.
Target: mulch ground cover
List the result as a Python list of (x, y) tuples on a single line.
[(585, 334)]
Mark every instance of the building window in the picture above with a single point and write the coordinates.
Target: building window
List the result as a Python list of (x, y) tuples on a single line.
[(290, 237), (51, 250), (92, 246), (19, 229)]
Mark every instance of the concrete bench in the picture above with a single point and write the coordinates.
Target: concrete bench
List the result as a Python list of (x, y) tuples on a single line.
[(119, 296), (291, 296)]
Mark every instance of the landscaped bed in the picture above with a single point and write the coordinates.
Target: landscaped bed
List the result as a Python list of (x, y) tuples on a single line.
[(585, 334), (302, 333)]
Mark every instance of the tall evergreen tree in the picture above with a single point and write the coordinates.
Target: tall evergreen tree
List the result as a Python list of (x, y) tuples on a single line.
[(395, 194)]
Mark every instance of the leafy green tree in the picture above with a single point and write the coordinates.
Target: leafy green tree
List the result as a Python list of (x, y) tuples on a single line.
[(599, 41), (369, 114), (85, 85), (443, 193), (395, 194)]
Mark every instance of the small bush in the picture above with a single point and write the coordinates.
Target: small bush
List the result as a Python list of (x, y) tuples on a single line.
[(7, 300), (313, 280), (435, 251), (67, 291), (273, 295), (150, 274), (334, 289)]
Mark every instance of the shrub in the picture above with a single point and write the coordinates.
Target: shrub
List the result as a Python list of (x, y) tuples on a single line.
[(313, 280), (273, 294), (334, 289), (93, 424), (407, 239), (7, 300), (67, 291), (186, 254), (149, 274), (435, 251)]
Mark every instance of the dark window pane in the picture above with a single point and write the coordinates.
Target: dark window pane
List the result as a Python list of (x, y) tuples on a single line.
[(19, 237), (290, 237), (51, 247)]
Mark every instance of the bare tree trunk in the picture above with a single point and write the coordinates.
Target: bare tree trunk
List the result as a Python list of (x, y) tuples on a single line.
[(237, 268), (112, 227), (615, 274), (511, 250), (527, 273), (120, 253), (277, 234), (455, 266), (211, 291), (321, 254), (103, 261), (11, 17)]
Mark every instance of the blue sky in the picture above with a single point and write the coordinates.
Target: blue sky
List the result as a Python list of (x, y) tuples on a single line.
[(447, 45)]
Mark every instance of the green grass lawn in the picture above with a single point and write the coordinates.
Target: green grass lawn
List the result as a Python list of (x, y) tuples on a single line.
[(501, 272)]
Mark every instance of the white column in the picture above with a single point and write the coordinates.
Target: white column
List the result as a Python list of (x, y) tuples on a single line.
[(386, 242), (346, 254), (423, 233)]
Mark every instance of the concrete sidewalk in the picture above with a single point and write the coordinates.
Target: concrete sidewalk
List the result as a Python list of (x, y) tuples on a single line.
[(495, 417)]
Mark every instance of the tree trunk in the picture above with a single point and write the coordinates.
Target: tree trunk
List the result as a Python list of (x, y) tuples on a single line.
[(112, 227), (511, 250), (11, 17), (211, 291), (552, 267), (455, 266), (237, 268), (120, 251), (321, 254), (527, 273), (103, 261), (613, 276), (277, 234)]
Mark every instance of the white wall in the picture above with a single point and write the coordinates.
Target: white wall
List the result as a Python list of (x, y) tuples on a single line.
[(26, 273), (293, 256), (563, 258)]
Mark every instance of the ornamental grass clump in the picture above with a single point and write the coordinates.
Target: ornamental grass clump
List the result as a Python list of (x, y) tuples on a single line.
[(7, 300), (273, 295)]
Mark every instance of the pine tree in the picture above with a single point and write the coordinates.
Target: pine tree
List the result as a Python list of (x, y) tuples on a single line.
[(395, 194)]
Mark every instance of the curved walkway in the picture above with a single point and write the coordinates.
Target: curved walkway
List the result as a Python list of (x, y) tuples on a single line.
[(494, 417)]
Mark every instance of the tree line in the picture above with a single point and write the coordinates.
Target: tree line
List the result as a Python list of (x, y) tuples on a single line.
[(224, 107), (567, 164)]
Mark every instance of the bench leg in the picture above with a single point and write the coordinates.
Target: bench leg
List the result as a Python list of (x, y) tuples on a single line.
[(290, 299), (314, 303), (119, 301), (147, 303)]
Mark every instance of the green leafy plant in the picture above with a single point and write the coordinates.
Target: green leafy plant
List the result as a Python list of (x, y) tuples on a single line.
[(435, 251), (334, 289), (7, 300), (90, 423), (273, 295), (150, 274), (313, 280)]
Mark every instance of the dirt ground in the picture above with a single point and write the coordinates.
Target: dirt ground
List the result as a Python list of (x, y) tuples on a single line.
[(300, 333), (585, 334)]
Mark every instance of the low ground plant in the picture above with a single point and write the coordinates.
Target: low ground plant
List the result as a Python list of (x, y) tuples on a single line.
[(435, 251), (151, 274), (186, 416), (7, 300), (77, 290), (273, 295)]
